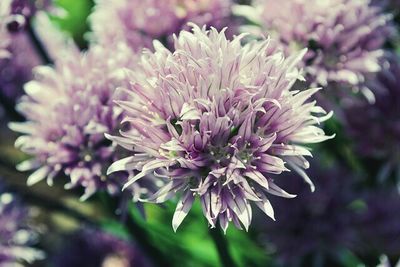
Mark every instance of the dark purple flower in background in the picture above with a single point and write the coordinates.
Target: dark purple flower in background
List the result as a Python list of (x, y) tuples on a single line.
[(138, 22), (216, 119), (68, 108), (344, 37), (316, 225), (93, 248), (375, 128), (16, 236), (16, 70), (378, 224)]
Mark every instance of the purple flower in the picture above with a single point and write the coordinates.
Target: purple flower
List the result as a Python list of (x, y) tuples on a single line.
[(382, 140), (5, 18), (16, 237), (216, 119), (384, 262), (16, 70), (138, 22), (338, 215), (315, 225), (68, 108), (345, 37), (378, 227), (92, 248)]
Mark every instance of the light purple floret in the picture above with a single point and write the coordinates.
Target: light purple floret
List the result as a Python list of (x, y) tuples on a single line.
[(215, 119), (344, 37), (68, 109), (16, 237), (138, 22)]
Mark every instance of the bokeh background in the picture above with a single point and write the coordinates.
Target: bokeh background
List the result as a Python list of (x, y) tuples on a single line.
[(352, 219)]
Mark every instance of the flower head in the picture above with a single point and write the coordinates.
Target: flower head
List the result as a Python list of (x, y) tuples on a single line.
[(17, 69), (344, 37), (377, 224), (5, 19), (68, 108), (319, 223), (216, 119), (382, 140), (138, 22), (95, 248), (16, 236)]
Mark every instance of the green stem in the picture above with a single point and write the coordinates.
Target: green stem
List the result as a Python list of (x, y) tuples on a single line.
[(222, 247), (139, 233)]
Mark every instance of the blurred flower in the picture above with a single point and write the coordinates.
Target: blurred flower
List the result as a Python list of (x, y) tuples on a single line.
[(138, 22), (209, 120), (5, 19), (92, 248), (375, 128), (384, 262), (344, 37), (68, 108), (16, 236), (378, 225), (16, 70), (317, 224)]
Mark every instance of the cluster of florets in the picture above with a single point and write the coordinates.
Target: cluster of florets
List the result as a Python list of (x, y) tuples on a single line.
[(91, 247), (138, 22), (69, 108), (382, 140), (5, 19), (16, 237), (216, 119), (16, 69), (321, 221), (344, 37)]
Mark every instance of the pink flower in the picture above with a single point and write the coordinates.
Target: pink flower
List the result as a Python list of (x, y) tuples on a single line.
[(216, 119)]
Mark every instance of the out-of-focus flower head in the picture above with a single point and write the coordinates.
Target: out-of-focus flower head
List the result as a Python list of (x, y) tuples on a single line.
[(382, 119), (21, 12), (16, 70), (216, 119), (16, 237), (14, 15), (93, 248), (138, 22), (344, 37), (384, 262), (68, 109), (316, 224), (5, 19), (378, 227)]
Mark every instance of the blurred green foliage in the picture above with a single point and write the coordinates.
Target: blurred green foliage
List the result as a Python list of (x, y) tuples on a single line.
[(75, 20)]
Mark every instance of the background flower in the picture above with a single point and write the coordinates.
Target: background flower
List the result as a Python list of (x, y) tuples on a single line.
[(378, 227), (16, 236), (138, 22), (68, 110), (344, 37), (208, 119), (16, 70), (93, 248), (5, 18), (316, 225), (382, 139)]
